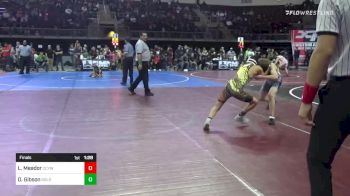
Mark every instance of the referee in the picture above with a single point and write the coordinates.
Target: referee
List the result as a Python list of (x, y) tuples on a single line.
[(331, 124), (128, 62), (143, 58), (25, 53)]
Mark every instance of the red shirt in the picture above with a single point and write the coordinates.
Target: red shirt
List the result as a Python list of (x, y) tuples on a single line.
[(6, 51)]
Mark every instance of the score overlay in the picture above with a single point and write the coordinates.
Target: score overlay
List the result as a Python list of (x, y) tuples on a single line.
[(56, 168)]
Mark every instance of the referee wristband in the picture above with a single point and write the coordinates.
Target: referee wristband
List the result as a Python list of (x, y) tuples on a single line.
[(309, 93)]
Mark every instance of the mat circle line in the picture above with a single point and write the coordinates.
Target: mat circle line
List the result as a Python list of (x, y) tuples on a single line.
[(291, 92)]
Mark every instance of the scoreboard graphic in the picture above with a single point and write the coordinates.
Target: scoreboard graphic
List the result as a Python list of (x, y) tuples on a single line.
[(56, 169)]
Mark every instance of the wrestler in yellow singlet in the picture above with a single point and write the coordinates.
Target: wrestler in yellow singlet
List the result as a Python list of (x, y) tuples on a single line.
[(235, 88), (241, 79)]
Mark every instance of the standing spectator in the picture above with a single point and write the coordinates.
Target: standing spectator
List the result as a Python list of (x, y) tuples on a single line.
[(1, 63), (18, 44), (6, 56), (179, 52), (77, 53), (170, 57), (50, 56), (13, 59), (193, 59), (212, 54), (143, 58), (128, 62), (113, 60), (330, 127), (296, 58), (71, 53), (25, 53), (58, 58), (119, 55), (222, 53), (205, 58), (199, 58), (308, 54)]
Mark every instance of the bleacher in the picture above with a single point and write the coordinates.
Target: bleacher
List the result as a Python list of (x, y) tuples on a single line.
[(164, 20)]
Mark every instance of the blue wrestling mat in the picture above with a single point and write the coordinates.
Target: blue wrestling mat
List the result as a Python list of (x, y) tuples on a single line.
[(81, 80)]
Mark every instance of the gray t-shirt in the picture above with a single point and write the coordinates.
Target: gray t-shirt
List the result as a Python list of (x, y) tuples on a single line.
[(25, 50), (129, 50), (143, 49)]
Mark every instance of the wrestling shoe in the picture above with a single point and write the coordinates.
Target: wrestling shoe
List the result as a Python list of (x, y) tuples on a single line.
[(272, 120), (241, 119), (206, 128)]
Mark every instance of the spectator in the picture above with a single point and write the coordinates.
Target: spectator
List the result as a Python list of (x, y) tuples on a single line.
[(271, 54), (5, 55), (41, 61), (58, 53), (50, 56), (170, 57), (205, 58), (296, 58), (71, 53), (231, 54), (77, 53)]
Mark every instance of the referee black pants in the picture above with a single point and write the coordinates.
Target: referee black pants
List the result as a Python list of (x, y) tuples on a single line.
[(332, 126), (128, 67), (143, 76), (25, 62)]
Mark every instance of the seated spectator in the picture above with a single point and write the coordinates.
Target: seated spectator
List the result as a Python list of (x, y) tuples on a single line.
[(231, 54), (40, 61)]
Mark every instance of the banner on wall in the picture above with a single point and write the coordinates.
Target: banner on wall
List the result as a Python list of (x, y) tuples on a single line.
[(303, 42), (228, 64), (87, 64)]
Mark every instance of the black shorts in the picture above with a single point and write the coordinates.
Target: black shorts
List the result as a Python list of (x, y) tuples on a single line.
[(271, 83), (228, 92)]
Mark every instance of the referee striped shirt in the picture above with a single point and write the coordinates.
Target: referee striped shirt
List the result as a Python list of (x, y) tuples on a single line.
[(334, 18)]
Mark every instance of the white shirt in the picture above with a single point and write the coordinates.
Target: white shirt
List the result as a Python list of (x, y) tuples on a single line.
[(281, 60), (143, 49), (334, 18)]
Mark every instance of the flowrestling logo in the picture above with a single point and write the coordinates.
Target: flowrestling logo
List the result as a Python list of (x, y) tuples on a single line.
[(307, 12)]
